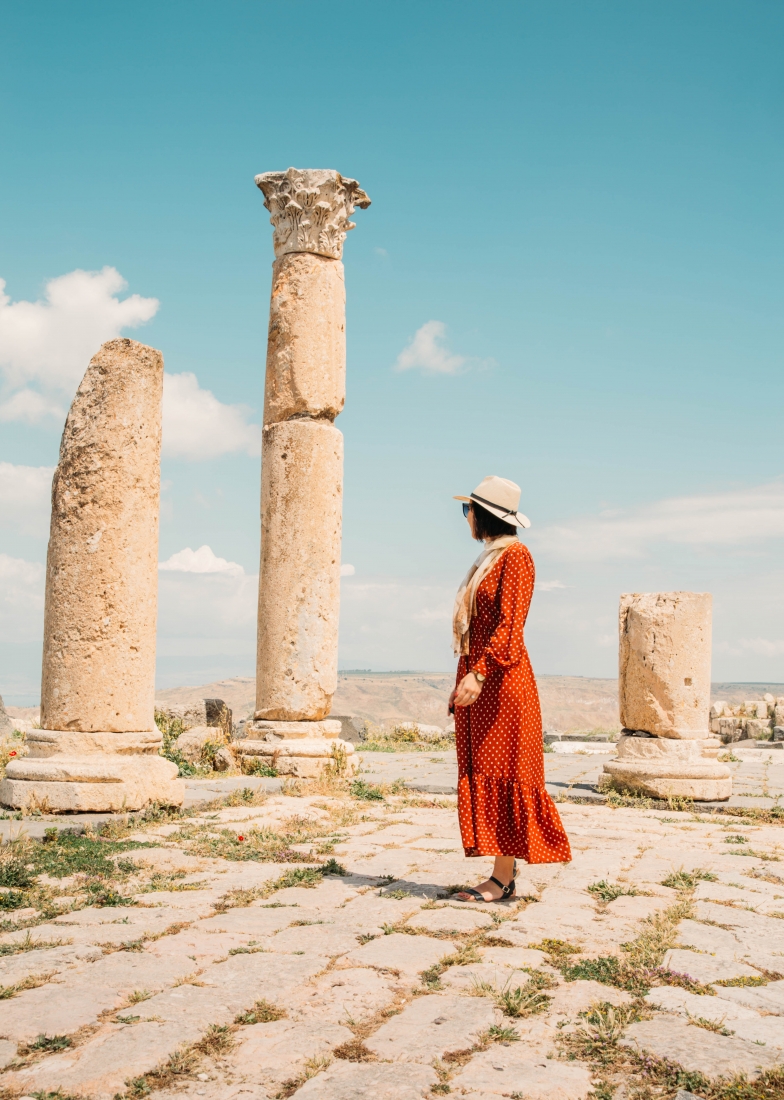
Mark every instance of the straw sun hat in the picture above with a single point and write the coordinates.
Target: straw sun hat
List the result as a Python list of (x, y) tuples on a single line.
[(501, 498)]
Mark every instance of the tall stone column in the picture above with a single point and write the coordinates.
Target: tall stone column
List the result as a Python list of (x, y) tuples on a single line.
[(302, 470), (666, 749), (98, 745)]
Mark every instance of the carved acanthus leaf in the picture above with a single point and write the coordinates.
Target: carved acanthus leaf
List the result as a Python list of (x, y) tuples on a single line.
[(311, 209)]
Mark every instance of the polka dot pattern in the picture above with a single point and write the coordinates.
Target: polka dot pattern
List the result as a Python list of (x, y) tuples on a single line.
[(502, 803)]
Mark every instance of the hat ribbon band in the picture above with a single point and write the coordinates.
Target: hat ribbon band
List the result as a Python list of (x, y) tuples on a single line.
[(492, 503)]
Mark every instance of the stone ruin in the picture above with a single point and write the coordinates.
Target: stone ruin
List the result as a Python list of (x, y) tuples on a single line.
[(302, 476), (666, 749), (755, 719), (98, 745), (97, 748)]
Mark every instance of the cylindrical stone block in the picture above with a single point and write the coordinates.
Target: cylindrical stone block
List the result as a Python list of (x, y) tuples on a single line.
[(102, 563), (299, 577), (306, 348), (665, 663)]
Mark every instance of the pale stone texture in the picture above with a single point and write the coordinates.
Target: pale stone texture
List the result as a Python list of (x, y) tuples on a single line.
[(431, 1026), (664, 663), (306, 348), (277, 1052), (664, 690), (98, 746), (302, 454), (299, 588), (408, 955), (516, 1070), (357, 1081), (699, 1050), (663, 767)]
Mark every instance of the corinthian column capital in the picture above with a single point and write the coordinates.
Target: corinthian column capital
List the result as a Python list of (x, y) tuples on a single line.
[(310, 209)]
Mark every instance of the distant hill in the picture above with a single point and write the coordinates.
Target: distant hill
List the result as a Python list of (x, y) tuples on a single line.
[(568, 702)]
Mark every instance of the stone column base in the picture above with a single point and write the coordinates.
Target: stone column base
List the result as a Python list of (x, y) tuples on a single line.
[(666, 768), (302, 749), (67, 771)]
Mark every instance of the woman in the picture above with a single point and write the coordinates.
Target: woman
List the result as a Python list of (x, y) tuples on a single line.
[(503, 806)]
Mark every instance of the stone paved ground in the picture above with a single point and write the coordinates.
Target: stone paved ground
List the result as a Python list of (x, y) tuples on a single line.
[(305, 944)]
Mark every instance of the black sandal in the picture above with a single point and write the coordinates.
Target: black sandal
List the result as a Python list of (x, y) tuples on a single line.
[(507, 892)]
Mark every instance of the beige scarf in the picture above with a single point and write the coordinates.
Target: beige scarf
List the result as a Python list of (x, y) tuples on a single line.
[(465, 601)]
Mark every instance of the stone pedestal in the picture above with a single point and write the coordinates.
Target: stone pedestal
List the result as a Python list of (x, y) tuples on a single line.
[(302, 465), (664, 694), (667, 768), (302, 749), (98, 746)]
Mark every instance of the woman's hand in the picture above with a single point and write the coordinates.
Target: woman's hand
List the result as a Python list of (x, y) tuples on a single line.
[(467, 691)]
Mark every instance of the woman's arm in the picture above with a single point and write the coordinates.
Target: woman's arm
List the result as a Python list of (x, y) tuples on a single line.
[(516, 586)]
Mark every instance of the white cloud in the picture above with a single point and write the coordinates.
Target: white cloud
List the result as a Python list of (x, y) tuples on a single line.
[(202, 560), (736, 518), (196, 425), (51, 341), (30, 406), (21, 599), (25, 496), (549, 586), (428, 352), (347, 570)]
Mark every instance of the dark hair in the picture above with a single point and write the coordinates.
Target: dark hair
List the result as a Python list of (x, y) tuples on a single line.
[(488, 526)]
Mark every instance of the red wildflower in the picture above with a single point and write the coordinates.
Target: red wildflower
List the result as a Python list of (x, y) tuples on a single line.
[(12, 752), (240, 838)]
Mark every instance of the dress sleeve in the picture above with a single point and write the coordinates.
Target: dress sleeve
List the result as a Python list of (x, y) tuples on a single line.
[(515, 589)]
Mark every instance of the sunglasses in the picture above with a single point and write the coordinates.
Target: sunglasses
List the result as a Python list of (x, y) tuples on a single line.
[(465, 510)]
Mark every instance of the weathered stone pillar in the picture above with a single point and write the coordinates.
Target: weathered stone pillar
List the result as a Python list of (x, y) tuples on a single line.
[(302, 467), (98, 745), (664, 692)]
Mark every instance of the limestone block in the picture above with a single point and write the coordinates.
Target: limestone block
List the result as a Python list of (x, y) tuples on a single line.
[(517, 1070), (756, 728), (204, 712), (306, 345), (778, 733), (191, 743), (432, 1025), (299, 585), (664, 768), (408, 955), (664, 663), (102, 563), (698, 1050), (100, 771), (279, 731), (778, 715), (320, 747), (359, 1080), (731, 730)]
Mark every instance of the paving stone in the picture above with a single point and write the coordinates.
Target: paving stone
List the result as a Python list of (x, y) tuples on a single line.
[(342, 995), (505, 1070), (747, 926), (708, 938), (250, 921), (718, 1009), (15, 968), (315, 939), (409, 955), (707, 968), (699, 1050), (271, 1054), (468, 978), (358, 1081), (427, 891), (449, 919), (100, 1068), (7, 1052), (637, 908), (367, 914), (329, 894), (572, 998), (432, 1025), (517, 957), (202, 948), (76, 997), (767, 998)]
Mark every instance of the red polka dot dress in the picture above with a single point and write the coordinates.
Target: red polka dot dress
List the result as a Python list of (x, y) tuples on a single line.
[(502, 803)]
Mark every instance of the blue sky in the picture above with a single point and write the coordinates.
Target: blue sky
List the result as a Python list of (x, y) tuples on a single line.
[(584, 196)]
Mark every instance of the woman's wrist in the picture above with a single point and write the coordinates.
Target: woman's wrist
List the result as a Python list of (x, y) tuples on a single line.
[(479, 675)]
